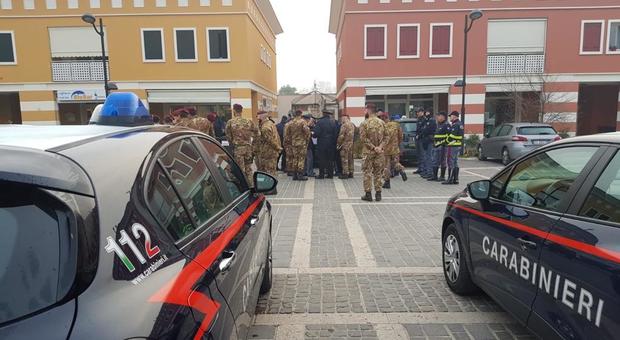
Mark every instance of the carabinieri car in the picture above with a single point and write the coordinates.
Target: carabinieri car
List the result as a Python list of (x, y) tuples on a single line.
[(144, 232), (542, 238)]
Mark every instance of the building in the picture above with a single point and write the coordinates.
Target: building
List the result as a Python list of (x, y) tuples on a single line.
[(206, 54), (315, 102), (554, 61)]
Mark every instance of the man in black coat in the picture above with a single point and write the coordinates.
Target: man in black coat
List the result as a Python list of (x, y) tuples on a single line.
[(326, 132), (280, 128)]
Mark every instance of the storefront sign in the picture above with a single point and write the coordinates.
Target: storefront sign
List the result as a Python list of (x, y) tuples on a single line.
[(81, 95)]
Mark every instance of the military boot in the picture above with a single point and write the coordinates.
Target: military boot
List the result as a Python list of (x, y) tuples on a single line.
[(442, 178), (367, 197), (351, 175), (403, 174), (302, 177), (289, 174), (455, 176), (434, 178), (387, 185), (343, 176), (295, 177), (378, 196), (449, 180)]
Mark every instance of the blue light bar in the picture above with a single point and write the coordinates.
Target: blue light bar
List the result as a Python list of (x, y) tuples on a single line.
[(122, 109)]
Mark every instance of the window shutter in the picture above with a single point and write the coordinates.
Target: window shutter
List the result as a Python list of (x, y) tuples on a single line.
[(441, 40), (592, 36), (408, 41), (375, 42)]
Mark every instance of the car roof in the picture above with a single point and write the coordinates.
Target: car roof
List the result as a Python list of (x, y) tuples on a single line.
[(604, 138), (528, 124)]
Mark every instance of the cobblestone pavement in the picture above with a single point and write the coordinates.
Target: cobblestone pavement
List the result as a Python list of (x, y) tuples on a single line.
[(347, 269)]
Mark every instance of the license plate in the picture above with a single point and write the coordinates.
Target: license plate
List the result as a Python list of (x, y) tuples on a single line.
[(225, 143), (539, 142)]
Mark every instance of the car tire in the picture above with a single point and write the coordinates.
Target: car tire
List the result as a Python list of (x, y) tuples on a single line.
[(455, 268), (267, 273), (505, 156), (480, 154)]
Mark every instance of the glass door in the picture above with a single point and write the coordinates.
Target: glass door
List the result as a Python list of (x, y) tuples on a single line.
[(397, 108)]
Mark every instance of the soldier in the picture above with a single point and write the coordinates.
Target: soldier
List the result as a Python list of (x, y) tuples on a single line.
[(392, 150), (182, 119), (345, 145), (241, 132), (418, 140), (288, 152), (455, 143), (199, 123), (280, 127), (439, 148), (373, 135), (298, 135), (268, 146)]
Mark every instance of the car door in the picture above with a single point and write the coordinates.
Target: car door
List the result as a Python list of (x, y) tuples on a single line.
[(251, 218), (488, 144), (507, 233), (197, 231), (503, 138), (579, 287)]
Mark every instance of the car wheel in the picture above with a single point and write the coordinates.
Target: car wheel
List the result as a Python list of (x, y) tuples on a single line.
[(480, 154), (267, 273), (505, 156), (455, 267)]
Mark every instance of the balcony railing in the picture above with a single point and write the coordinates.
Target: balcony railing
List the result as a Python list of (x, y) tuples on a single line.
[(515, 63), (77, 70)]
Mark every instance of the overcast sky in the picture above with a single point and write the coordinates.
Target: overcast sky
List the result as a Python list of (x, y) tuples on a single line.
[(306, 50)]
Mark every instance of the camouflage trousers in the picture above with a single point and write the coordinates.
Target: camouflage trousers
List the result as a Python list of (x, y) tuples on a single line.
[(243, 156), (268, 164), (346, 158), (392, 162), (297, 160), (288, 151), (373, 166)]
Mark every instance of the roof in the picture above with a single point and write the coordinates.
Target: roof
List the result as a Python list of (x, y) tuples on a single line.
[(334, 16), (314, 97), (272, 19)]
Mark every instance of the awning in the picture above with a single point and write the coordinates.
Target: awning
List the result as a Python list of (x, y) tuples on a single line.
[(407, 90), (189, 96)]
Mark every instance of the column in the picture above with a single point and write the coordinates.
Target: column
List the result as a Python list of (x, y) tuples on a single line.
[(618, 114), (355, 102), (474, 106), (244, 97), (38, 108)]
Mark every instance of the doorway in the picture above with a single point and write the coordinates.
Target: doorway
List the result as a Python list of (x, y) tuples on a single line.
[(76, 113), (597, 108), (10, 110)]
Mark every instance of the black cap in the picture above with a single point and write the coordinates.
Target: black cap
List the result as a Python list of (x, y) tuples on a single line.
[(455, 113), (442, 113)]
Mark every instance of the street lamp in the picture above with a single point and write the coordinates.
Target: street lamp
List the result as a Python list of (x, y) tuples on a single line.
[(469, 21), (90, 19)]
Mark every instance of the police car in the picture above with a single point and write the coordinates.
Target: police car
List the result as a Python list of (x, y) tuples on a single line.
[(542, 238), (114, 232)]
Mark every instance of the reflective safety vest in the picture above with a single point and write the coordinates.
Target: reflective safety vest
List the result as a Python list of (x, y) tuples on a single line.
[(455, 134), (441, 135)]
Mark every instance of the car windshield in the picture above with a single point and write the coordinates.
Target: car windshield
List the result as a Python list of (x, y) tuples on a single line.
[(537, 130), (409, 127)]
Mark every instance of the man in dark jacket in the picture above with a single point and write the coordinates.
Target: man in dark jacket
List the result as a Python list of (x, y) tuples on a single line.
[(427, 143), (326, 132), (280, 128)]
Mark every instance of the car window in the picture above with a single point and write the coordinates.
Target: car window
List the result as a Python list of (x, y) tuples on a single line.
[(29, 251), (409, 127), (505, 131), (496, 131), (193, 180), (603, 202), (536, 130), (542, 181), (228, 168), (498, 184), (166, 206)]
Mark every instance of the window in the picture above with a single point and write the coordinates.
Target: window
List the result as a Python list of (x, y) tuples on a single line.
[(537, 130), (375, 41), (183, 3), (29, 250), (185, 44), (441, 40), (117, 3), (603, 203), (72, 4), (28, 4), (95, 3), (505, 131), (218, 44), (6, 4), (153, 45), (165, 205), (516, 36), (408, 40), (7, 48), (592, 36), (230, 171), (613, 37), (193, 181), (50, 4), (498, 184), (138, 3), (542, 181), (160, 3), (496, 131)]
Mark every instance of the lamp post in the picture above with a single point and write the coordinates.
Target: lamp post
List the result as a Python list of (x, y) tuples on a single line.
[(469, 21), (90, 19)]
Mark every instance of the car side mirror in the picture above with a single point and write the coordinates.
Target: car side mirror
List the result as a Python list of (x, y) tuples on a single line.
[(480, 190), (263, 182)]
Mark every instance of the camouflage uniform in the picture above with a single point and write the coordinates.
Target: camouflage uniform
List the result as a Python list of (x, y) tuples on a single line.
[(268, 147), (201, 124), (240, 132), (373, 134), (298, 133), (392, 149), (288, 143), (345, 142), (183, 122)]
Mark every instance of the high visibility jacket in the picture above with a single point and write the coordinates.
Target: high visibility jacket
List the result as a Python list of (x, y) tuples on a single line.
[(441, 135), (455, 134)]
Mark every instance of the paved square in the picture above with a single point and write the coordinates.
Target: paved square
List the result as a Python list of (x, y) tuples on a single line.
[(348, 269)]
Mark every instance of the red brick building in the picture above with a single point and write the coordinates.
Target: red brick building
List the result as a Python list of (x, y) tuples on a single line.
[(555, 61)]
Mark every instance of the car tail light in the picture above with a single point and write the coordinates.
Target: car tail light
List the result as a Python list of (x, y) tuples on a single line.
[(519, 139), (557, 138)]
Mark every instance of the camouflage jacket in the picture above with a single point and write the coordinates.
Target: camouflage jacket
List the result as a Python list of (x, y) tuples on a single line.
[(345, 137), (288, 141), (395, 137), (202, 124), (183, 122), (268, 142), (298, 133), (241, 132), (373, 134)]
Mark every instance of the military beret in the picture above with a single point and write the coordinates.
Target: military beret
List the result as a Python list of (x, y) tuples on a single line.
[(455, 113), (237, 107)]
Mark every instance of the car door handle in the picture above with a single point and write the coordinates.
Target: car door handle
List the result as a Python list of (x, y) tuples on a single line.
[(527, 244), (227, 260)]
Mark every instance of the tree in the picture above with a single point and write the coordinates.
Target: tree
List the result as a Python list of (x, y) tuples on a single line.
[(287, 90)]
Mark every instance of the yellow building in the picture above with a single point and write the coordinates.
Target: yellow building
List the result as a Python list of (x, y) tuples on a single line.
[(206, 54)]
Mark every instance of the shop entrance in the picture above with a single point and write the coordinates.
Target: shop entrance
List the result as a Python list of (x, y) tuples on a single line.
[(597, 109), (76, 113), (10, 111)]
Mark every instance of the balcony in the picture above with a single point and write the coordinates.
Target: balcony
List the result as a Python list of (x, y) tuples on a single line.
[(77, 70), (516, 63)]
